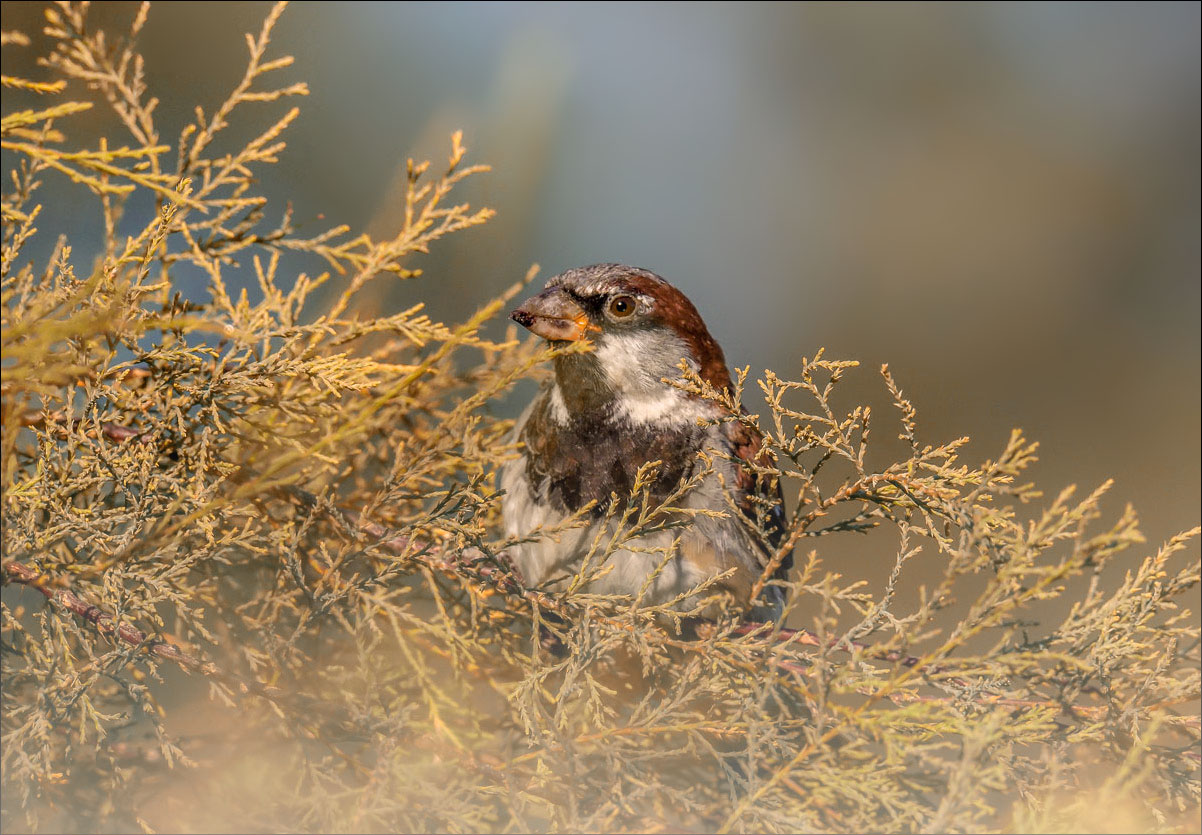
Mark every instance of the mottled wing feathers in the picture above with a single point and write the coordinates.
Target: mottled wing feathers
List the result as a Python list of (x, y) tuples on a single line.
[(747, 445)]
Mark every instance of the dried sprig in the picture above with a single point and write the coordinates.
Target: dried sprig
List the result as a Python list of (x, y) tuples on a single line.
[(255, 576)]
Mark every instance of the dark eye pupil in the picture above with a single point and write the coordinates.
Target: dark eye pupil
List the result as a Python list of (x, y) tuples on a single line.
[(621, 306)]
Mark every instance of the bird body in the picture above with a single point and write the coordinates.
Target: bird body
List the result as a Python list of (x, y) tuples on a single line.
[(608, 412)]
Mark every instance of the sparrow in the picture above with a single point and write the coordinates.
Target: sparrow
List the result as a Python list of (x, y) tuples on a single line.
[(609, 410)]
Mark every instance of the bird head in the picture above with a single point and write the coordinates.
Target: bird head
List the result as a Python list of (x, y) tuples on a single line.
[(639, 326)]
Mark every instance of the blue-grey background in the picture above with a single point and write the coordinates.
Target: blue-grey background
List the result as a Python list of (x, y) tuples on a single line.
[(1000, 200)]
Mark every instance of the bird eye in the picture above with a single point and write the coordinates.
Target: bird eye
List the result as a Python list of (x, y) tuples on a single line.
[(621, 306)]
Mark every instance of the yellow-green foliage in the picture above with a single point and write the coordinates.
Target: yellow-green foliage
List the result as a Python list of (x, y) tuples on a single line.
[(255, 580)]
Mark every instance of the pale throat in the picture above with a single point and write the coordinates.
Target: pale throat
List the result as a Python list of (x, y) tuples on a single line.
[(625, 375)]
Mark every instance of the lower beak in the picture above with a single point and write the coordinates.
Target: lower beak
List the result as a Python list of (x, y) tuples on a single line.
[(553, 315)]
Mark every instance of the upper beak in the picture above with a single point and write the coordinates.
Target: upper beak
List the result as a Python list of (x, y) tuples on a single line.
[(553, 315)]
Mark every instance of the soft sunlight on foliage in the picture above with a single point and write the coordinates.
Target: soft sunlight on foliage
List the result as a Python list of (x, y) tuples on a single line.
[(255, 579)]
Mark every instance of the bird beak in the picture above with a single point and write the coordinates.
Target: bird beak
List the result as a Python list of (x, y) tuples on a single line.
[(555, 316)]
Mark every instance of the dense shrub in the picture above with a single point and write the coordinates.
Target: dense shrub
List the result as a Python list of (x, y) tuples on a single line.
[(255, 580)]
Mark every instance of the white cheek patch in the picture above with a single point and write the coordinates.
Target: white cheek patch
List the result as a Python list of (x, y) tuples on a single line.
[(635, 364), (672, 408)]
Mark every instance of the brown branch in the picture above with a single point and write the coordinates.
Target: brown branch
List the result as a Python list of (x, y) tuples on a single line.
[(108, 625), (117, 432)]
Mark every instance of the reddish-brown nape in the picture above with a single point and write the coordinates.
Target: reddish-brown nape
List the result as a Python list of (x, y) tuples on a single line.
[(674, 310)]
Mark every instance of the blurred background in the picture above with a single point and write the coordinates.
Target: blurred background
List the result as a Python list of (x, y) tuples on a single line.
[(999, 200)]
